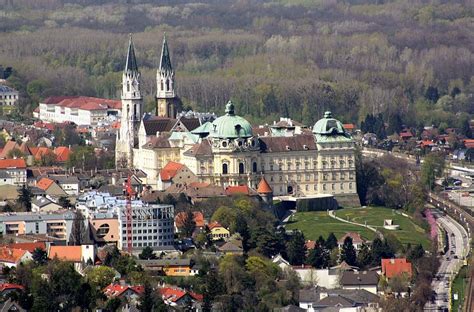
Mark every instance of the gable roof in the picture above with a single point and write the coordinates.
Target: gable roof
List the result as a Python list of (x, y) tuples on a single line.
[(116, 290), (66, 253), (175, 294), (169, 170), (44, 183), (354, 278), (11, 255), (160, 141), (356, 238), (12, 163), (393, 267), (84, 102), (239, 189), (62, 153), (9, 146), (214, 224), (30, 247), (198, 218), (200, 149)]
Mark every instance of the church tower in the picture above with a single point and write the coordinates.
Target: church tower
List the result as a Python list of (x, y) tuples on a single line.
[(166, 100), (132, 107)]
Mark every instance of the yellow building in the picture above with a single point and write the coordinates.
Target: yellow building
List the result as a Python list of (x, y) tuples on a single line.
[(218, 231)]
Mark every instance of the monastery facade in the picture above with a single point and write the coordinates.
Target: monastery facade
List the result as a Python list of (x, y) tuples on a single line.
[(227, 150)]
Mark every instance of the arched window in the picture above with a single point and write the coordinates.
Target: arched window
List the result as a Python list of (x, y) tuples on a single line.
[(225, 169), (167, 84), (128, 86), (162, 86), (254, 166), (241, 168)]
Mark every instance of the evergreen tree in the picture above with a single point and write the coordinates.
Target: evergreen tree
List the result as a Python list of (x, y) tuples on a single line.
[(466, 128), (78, 230), (64, 202), (24, 198), (147, 253), (319, 257), (348, 252), (40, 256), (432, 94), (242, 228), (320, 241), (147, 299), (331, 242), (416, 253), (364, 256), (296, 250)]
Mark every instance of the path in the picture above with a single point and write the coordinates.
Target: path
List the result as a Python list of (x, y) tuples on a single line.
[(333, 215)]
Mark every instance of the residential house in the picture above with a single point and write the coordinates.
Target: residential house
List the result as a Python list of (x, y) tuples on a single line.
[(357, 240), (8, 99), (175, 173), (11, 257), (69, 183), (62, 154), (328, 278), (104, 227), (281, 262), (170, 267), (50, 187), (367, 280), (44, 204), (177, 297), (78, 255), (28, 246), (124, 291), (218, 231), (233, 247), (394, 267), (347, 300), (12, 172)]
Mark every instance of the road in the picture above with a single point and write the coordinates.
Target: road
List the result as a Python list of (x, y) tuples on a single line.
[(449, 266)]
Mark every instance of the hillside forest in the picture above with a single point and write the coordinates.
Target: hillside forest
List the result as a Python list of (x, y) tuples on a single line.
[(411, 61)]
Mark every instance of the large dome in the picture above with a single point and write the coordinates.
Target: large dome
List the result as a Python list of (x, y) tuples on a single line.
[(230, 126), (328, 126)]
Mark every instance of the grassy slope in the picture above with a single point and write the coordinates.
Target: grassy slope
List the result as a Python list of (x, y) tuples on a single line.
[(318, 223), (409, 232), (459, 287)]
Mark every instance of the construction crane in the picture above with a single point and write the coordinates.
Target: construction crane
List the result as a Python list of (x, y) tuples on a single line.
[(130, 193)]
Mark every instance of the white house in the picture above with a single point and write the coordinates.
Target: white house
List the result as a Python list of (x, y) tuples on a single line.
[(12, 172), (367, 280)]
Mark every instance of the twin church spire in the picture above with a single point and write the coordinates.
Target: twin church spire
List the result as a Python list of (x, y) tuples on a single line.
[(132, 102)]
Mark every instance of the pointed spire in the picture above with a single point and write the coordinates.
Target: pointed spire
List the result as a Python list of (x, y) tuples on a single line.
[(131, 63), (165, 62)]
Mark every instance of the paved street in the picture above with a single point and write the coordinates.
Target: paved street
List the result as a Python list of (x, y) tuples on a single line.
[(458, 248)]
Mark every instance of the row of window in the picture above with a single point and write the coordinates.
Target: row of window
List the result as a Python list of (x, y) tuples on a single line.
[(151, 244), (9, 96)]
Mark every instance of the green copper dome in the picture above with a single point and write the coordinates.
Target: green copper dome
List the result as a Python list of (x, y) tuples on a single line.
[(230, 126), (328, 126)]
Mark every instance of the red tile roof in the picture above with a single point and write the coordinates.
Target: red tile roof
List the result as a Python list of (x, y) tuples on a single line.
[(197, 217), (44, 183), (41, 152), (469, 143), (174, 294), (9, 146), (239, 189), (264, 187), (6, 286), (349, 126), (169, 171), (310, 244), (66, 253), (84, 102), (393, 267), (214, 224), (12, 163), (11, 255), (116, 290), (62, 153), (406, 134), (28, 246)]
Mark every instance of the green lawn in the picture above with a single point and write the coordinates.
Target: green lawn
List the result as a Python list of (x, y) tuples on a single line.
[(409, 232), (458, 287), (316, 223)]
